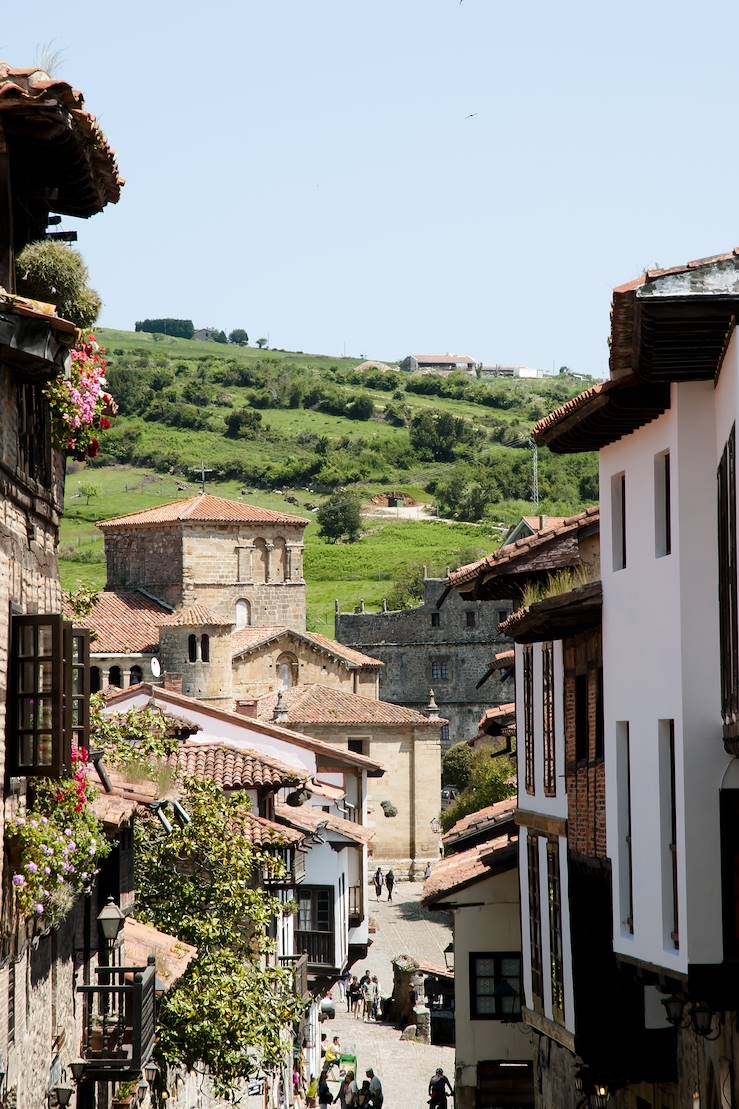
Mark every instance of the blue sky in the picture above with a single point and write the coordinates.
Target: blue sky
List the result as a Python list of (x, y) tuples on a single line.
[(307, 170)]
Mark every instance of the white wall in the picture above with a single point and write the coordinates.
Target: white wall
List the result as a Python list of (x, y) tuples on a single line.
[(491, 927), (325, 867), (660, 662), (538, 802)]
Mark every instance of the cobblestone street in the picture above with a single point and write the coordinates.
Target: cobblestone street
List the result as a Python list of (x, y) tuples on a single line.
[(403, 928)]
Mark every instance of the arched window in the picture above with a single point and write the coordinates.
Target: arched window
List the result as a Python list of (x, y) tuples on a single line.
[(243, 614), (287, 671), (95, 682), (205, 647), (192, 648), (137, 676), (114, 676), (261, 561)]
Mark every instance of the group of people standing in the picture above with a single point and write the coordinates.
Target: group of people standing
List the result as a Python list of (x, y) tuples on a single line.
[(388, 880), (352, 1096), (363, 995)]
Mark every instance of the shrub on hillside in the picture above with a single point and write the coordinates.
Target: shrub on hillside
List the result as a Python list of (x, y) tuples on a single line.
[(456, 766), (242, 423), (339, 517), (438, 435), (179, 329)]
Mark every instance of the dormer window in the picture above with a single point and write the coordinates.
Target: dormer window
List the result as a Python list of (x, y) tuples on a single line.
[(48, 706)]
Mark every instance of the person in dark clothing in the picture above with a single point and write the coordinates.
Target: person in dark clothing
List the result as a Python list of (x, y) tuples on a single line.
[(389, 882), (325, 1094), (438, 1087), (363, 1099)]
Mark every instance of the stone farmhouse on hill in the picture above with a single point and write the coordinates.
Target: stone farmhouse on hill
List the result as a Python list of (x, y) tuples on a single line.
[(206, 596), (446, 647), (438, 364)]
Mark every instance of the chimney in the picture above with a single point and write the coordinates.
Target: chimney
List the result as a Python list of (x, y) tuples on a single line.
[(280, 713), (247, 708), (173, 682)]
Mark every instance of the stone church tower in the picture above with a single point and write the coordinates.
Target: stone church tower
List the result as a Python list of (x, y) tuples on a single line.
[(196, 646), (243, 563)]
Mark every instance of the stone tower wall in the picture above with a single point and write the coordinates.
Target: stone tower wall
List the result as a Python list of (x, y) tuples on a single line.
[(208, 681), (146, 558), (410, 643)]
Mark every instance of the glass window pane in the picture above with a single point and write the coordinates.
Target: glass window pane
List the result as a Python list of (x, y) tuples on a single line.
[(486, 1005), (25, 640), (78, 680), (45, 676), (43, 713), (485, 968), (26, 673), (45, 640), (26, 749), (76, 649), (76, 713), (485, 987), (510, 966), (28, 712), (44, 750)]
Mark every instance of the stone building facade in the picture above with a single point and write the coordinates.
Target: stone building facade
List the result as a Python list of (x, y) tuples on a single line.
[(243, 562), (448, 649)]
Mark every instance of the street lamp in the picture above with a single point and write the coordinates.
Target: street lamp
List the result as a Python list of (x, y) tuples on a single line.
[(449, 955), (600, 1096), (701, 1018), (110, 919), (674, 1009), (151, 1073), (78, 1069), (62, 1095)]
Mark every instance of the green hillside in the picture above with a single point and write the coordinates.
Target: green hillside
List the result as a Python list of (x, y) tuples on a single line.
[(283, 429)]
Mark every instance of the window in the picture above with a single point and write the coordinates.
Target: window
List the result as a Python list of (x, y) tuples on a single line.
[(537, 977), (501, 615), (471, 619), (528, 715), (582, 746), (547, 662), (34, 434), (115, 677), (358, 746), (192, 648), (727, 584), (137, 676), (287, 671), (205, 647), (435, 619), (444, 733), (495, 986), (49, 702), (439, 671), (662, 508), (243, 614), (668, 828), (555, 930), (625, 862), (599, 718), (95, 679), (315, 924), (618, 520)]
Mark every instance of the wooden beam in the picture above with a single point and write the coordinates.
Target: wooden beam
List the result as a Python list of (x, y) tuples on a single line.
[(7, 255)]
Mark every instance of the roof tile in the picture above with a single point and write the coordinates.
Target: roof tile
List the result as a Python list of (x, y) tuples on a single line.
[(454, 872), (125, 622), (312, 820), (233, 767), (319, 704), (480, 821), (203, 508), (246, 640)]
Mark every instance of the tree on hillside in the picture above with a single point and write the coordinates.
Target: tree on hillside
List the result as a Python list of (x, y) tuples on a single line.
[(461, 497), (239, 337), (220, 337), (340, 517), (490, 780), (242, 423), (456, 766), (55, 273), (437, 435), (88, 490), (407, 590), (179, 329), (261, 343)]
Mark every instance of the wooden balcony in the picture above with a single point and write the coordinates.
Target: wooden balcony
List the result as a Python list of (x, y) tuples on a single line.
[(318, 946), (299, 964), (119, 1021)]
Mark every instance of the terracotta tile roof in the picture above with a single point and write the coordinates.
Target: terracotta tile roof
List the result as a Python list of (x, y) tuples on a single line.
[(125, 623), (173, 956), (313, 821), (504, 556), (202, 508), (602, 414), (319, 704), (266, 833), (551, 521), (481, 821), (197, 616), (498, 714), (328, 752), (247, 640), (140, 792), (433, 969), (114, 811), (503, 660), (233, 767), (456, 872), (92, 178), (441, 358), (325, 789)]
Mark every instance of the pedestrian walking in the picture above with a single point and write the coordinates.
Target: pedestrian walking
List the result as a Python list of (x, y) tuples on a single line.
[(379, 879), (376, 997), (367, 1001), (325, 1095), (389, 882), (347, 1091), (333, 1054), (346, 980), (427, 872), (375, 1089), (438, 1087), (364, 1097), (355, 997)]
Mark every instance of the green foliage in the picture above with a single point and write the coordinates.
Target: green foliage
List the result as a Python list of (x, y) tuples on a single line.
[(202, 883), (53, 272), (242, 423), (139, 742), (82, 601), (456, 766), (461, 497), (181, 329), (88, 490), (239, 337), (340, 517), (438, 435), (262, 343), (564, 581), (407, 590), (489, 781), (220, 337)]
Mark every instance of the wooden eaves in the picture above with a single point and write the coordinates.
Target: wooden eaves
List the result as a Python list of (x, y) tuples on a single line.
[(567, 614)]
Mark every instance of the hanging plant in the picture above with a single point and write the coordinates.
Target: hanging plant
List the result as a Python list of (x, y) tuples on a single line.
[(388, 808), (57, 845), (80, 406)]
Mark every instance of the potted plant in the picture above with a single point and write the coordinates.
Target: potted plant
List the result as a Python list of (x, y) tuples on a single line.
[(124, 1095)]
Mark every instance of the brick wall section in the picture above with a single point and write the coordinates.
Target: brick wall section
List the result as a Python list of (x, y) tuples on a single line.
[(408, 644), (586, 782)]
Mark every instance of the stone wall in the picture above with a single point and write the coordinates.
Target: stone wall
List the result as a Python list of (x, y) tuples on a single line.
[(256, 673), (209, 681), (145, 558), (411, 757), (416, 645)]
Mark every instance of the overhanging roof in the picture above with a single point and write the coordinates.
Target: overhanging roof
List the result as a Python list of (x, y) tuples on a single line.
[(557, 617)]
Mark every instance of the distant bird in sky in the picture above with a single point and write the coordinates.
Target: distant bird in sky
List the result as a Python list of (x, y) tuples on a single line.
[(471, 115)]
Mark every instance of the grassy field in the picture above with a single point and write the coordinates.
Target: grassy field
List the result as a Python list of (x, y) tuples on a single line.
[(345, 572)]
